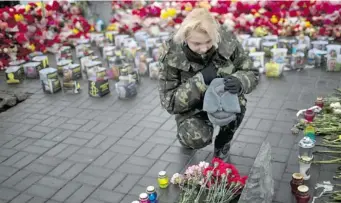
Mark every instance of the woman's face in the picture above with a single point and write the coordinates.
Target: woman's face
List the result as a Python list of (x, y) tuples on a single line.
[(199, 42)]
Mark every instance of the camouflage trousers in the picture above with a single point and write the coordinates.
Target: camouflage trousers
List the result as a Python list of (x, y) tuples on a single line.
[(197, 131)]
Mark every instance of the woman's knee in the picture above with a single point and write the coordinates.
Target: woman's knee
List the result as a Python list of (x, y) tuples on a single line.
[(194, 133)]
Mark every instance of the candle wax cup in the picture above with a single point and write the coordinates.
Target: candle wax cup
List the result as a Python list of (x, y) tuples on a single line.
[(309, 115), (163, 182)]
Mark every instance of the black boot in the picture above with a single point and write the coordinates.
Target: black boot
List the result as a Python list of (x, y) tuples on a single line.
[(222, 144), (223, 152)]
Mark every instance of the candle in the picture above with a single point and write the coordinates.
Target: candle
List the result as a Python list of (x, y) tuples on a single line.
[(297, 180), (309, 115)]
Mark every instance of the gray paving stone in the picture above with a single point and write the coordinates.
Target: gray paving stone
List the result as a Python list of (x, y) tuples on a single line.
[(24, 144), (48, 160), (97, 171), (73, 171), (85, 178), (37, 200), (96, 141), (75, 141), (115, 179), (61, 168), (52, 182), (67, 152), (66, 191), (81, 194), (33, 134), (22, 198), (107, 143), (104, 158), (41, 191), (251, 150), (39, 168), (16, 178), (7, 171), (8, 194), (28, 181), (45, 143), (127, 183), (107, 196)]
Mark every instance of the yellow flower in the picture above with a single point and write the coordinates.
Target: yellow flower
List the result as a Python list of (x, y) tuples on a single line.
[(27, 8), (112, 27), (18, 17), (171, 12), (260, 32), (32, 47), (274, 19), (188, 7), (75, 31), (307, 24), (164, 14), (257, 15)]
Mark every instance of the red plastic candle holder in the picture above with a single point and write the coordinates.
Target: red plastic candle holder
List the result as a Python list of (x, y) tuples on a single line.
[(309, 115)]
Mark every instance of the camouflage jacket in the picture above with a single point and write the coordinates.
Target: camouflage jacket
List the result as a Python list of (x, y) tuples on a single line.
[(181, 84)]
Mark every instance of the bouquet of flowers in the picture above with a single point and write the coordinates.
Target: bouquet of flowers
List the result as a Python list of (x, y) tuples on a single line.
[(219, 182)]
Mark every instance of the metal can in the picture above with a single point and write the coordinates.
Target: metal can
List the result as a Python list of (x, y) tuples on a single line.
[(143, 198), (163, 179), (151, 194)]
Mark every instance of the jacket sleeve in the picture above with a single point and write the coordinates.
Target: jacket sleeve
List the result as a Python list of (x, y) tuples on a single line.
[(246, 72), (177, 97)]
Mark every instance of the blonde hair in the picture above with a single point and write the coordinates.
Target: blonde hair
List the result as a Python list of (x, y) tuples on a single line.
[(200, 19)]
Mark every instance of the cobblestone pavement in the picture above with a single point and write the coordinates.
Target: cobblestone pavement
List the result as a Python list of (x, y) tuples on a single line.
[(74, 148)]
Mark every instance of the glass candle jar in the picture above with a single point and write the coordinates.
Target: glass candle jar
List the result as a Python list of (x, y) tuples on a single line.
[(309, 131), (309, 115), (143, 198), (302, 194), (319, 102), (297, 180), (163, 179), (151, 194)]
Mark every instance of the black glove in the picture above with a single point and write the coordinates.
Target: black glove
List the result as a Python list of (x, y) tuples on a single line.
[(232, 84), (209, 73)]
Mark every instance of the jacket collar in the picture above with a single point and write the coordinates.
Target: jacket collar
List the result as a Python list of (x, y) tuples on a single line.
[(176, 58)]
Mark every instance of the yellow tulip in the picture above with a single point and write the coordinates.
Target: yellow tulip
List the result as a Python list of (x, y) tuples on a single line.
[(257, 15)]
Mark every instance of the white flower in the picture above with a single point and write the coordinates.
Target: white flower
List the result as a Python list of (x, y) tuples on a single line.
[(176, 178), (203, 164)]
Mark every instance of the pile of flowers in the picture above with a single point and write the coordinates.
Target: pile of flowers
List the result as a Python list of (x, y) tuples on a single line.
[(37, 27), (284, 18), (218, 182)]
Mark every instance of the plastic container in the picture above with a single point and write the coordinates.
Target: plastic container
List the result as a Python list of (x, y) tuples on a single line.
[(320, 45), (267, 46), (258, 56), (279, 55), (32, 69), (333, 50), (43, 60), (273, 69), (154, 70), (254, 42), (49, 80), (14, 75), (271, 38)]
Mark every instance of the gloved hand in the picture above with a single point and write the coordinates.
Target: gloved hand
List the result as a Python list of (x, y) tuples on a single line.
[(232, 84), (209, 73)]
